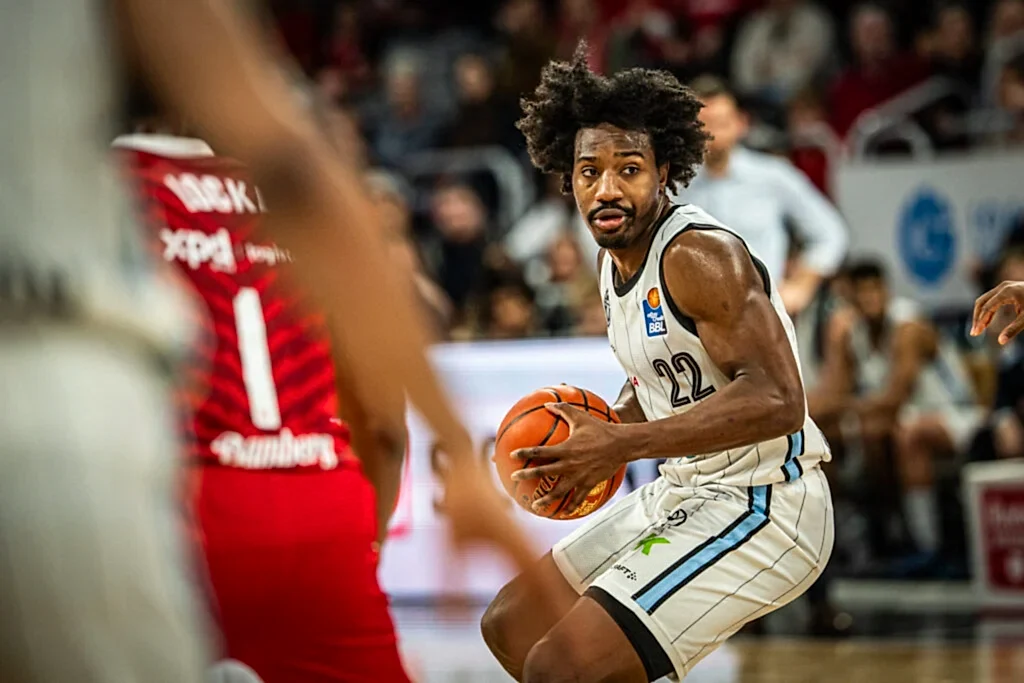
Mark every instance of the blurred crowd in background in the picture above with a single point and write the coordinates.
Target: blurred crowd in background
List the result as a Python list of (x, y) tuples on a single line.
[(432, 86)]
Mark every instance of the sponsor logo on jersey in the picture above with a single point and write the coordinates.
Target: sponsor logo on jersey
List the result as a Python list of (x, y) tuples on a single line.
[(212, 194), (196, 248), (654, 316), (629, 573), (275, 450), (646, 544)]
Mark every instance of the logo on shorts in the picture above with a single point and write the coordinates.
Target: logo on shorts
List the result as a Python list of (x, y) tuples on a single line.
[(630, 574), (654, 316), (677, 517), (645, 545)]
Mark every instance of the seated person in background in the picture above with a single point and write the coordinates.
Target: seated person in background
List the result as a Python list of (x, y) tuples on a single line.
[(912, 388)]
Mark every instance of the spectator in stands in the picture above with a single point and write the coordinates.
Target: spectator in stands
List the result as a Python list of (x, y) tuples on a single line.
[(530, 238), (510, 311), (1005, 41), (347, 59), (879, 72), (1011, 103), (810, 136), (460, 231), (483, 117), (782, 49), (640, 36), (568, 285), (405, 126), (756, 195), (912, 385), (526, 45), (581, 19), (952, 47)]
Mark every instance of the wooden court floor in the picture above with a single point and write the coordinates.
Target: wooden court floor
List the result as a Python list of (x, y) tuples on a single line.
[(453, 652)]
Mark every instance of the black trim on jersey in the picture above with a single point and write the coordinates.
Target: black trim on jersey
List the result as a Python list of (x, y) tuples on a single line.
[(686, 321), (624, 288), (656, 662)]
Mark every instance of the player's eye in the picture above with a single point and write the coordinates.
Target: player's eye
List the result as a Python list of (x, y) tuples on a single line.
[(631, 170), (588, 172)]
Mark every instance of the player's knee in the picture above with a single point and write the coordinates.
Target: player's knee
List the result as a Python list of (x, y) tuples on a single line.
[(497, 620), (550, 662)]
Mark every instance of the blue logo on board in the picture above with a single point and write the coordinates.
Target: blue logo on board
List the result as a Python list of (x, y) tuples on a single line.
[(926, 236), (653, 315)]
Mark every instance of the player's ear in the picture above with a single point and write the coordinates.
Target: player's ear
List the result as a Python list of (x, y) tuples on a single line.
[(663, 175)]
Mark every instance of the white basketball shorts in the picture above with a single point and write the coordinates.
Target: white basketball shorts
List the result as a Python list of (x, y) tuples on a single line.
[(94, 580), (681, 569)]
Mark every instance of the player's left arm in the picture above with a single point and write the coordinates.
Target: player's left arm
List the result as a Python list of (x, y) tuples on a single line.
[(913, 344), (711, 278), (380, 442)]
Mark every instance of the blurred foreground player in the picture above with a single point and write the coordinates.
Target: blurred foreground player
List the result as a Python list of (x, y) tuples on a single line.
[(92, 586), (740, 521), (290, 527)]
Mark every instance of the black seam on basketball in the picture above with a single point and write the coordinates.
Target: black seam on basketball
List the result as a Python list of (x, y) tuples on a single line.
[(520, 416), (586, 399), (565, 499), (551, 432), (557, 395)]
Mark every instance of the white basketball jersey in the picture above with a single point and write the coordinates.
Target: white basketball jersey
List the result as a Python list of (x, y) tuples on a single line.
[(671, 371), (942, 383), (69, 247)]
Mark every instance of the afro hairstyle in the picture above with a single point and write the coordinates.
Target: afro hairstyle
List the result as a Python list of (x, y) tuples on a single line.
[(571, 97)]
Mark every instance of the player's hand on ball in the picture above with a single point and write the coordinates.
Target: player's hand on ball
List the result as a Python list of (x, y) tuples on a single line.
[(593, 453), (985, 308)]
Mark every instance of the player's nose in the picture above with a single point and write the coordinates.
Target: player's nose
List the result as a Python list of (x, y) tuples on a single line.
[(608, 188)]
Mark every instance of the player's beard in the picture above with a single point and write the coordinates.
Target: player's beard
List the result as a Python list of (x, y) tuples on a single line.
[(620, 239)]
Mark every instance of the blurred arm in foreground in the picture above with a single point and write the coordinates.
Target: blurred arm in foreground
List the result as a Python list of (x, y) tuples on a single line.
[(204, 58)]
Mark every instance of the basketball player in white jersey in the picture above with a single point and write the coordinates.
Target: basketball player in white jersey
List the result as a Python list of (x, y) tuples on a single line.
[(740, 520), (912, 387), (92, 581)]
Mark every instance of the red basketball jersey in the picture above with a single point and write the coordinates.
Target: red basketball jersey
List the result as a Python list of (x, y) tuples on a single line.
[(260, 389)]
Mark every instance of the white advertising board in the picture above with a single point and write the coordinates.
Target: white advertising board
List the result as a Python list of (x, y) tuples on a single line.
[(485, 380), (929, 221)]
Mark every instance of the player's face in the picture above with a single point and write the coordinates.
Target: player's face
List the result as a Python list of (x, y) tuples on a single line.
[(617, 184), (870, 296), (724, 122)]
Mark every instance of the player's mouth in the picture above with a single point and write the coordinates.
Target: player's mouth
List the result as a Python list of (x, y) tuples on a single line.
[(607, 220)]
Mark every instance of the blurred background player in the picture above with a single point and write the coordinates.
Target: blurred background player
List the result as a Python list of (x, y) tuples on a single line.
[(87, 506), (912, 390)]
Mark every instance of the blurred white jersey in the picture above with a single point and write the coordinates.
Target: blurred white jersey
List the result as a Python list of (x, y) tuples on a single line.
[(671, 371), (942, 383), (69, 248)]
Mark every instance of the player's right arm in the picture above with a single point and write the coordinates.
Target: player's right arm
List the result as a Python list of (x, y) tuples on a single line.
[(205, 59)]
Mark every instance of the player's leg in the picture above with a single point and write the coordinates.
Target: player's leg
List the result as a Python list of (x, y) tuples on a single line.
[(93, 585), (733, 556), (294, 573), (512, 624)]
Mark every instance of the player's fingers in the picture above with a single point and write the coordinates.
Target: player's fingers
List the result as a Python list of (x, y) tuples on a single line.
[(570, 414), (549, 470), (1012, 330), (986, 306), (579, 495), (559, 492), (534, 452)]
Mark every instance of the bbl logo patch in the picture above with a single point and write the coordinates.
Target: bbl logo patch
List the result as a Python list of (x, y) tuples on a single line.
[(653, 314)]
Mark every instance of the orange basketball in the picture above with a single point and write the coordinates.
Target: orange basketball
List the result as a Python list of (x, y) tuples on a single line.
[(529, 424)]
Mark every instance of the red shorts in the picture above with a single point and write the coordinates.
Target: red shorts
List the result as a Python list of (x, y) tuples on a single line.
[(294, 574)]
